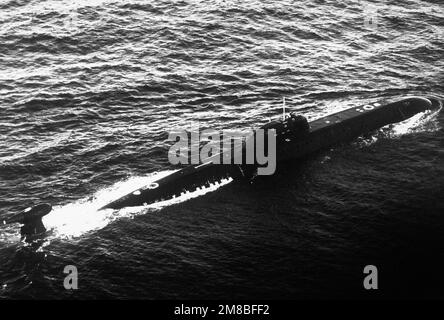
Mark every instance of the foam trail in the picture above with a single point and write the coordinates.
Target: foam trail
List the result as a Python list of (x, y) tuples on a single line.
[(80, 217), (421, 122)]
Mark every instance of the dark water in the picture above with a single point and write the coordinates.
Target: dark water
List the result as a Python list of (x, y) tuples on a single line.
[(90, 89)]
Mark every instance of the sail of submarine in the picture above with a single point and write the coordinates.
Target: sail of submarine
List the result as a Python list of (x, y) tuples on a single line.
[(296, 138)]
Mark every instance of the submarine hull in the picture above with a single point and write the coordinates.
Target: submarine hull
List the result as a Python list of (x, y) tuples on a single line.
[(351, 123), (292, 143)]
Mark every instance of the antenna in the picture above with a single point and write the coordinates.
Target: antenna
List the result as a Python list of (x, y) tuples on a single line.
[(283, 108)]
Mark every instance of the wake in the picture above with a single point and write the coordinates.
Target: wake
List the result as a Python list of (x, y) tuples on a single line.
[(83, 216)]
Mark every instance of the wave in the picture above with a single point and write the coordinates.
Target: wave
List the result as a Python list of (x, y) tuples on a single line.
[(73, 220)]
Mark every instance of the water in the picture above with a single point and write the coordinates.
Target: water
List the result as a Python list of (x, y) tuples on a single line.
[(90, 89)]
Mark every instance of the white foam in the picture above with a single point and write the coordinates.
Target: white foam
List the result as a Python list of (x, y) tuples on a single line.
[(80, 217), (421, 122)]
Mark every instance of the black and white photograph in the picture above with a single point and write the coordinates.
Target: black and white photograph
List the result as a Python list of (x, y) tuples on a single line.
[(221, 155)]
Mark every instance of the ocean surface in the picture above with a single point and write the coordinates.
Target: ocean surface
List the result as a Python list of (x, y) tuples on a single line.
[(89, 91)]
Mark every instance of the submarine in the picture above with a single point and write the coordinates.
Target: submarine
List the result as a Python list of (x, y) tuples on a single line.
[(296, 138)]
